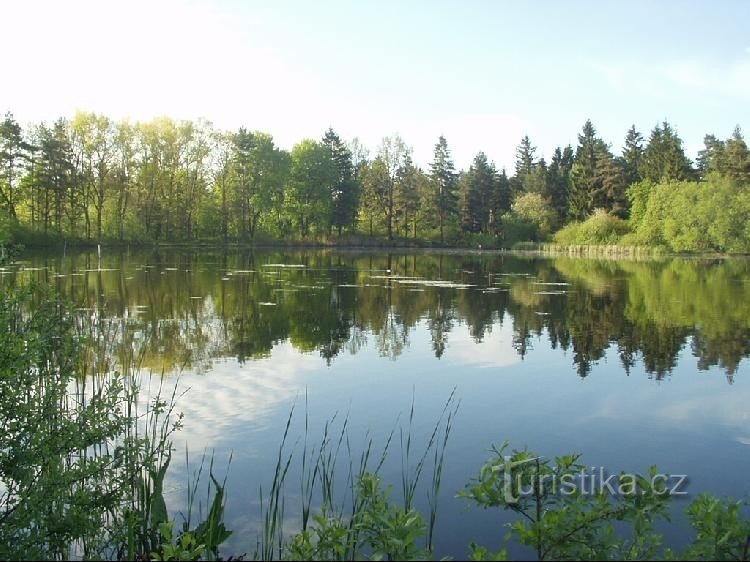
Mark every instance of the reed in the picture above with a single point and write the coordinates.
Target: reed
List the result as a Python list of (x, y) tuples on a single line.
[(342, 525)]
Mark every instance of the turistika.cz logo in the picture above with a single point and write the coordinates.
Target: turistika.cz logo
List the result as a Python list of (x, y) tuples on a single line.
[(592, 481)]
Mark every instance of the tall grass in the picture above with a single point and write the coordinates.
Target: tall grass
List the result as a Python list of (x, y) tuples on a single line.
[(603, 250), (342, 524)]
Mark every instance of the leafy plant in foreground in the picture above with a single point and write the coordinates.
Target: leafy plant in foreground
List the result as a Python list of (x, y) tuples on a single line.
[(565, 517)]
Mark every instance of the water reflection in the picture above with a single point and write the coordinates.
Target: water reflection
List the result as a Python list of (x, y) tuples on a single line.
[(190, 309), (540, 350)]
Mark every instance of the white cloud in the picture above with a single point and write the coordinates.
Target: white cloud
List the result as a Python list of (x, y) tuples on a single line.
[(495, 350), (233, 397), (724, 406)]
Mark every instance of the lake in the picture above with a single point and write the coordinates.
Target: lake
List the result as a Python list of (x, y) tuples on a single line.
[(632, 363)]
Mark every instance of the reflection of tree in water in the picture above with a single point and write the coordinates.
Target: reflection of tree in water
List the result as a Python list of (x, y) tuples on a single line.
[(726, 351), (440, 322), (189, 308)]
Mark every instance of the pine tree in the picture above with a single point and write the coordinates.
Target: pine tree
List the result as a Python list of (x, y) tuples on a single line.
[(13, 155), (711, 158), (55, 175)]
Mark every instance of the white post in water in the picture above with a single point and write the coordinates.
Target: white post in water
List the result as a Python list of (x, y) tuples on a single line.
[(99, 254)]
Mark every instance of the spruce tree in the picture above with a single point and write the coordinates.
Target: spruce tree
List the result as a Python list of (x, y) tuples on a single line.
[(664, 157), (406, 196), (500, 201), (737, 158), (632, 156), (476, 188), (345, 190), (558, 178), (443, 176), (585, 177), (524, 157)]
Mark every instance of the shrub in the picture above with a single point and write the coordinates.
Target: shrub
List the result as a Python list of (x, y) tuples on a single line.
[(534, 209), (692, 216), (600, 228), (515, 230)]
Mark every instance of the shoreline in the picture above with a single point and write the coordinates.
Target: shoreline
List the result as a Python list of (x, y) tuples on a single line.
[(542, 250)]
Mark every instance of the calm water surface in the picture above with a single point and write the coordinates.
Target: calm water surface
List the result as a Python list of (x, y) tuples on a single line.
[(630, 363)]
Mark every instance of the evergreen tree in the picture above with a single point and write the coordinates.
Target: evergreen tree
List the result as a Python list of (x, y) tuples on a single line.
[(525, 158), (711, 158), (55, 175), (612, 186), (476, 188), (345, 190), (537, 180), (443, 175), (406, 197), (500, 201), (664, 158), (632, 156), (558, 179), (585, 177), (737, 158)]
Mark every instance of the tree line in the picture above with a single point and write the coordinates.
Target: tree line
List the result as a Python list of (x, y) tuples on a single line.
[(162, 180)]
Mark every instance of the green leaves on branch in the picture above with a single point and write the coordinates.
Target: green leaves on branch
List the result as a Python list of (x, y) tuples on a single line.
[(378, 527), (564, 515)]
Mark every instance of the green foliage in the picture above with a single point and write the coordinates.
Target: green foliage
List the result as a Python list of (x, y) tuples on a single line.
[(558, 182), (388, 184), (201, 543), (345, 194), (52, 495), (444, 184), (560, 519), (94, 180), (515, 229), (82, 475), (632, 156), (313, 176), (560, 522), (367, 524), (599, 229), (722, 533), (257, 173), (185, 547), (664, 158), (532, 208), (478, 552), (379, 528), (476, 188), (692, 216)]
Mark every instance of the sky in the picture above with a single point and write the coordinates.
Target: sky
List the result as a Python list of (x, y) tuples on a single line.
[(482, 73)]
